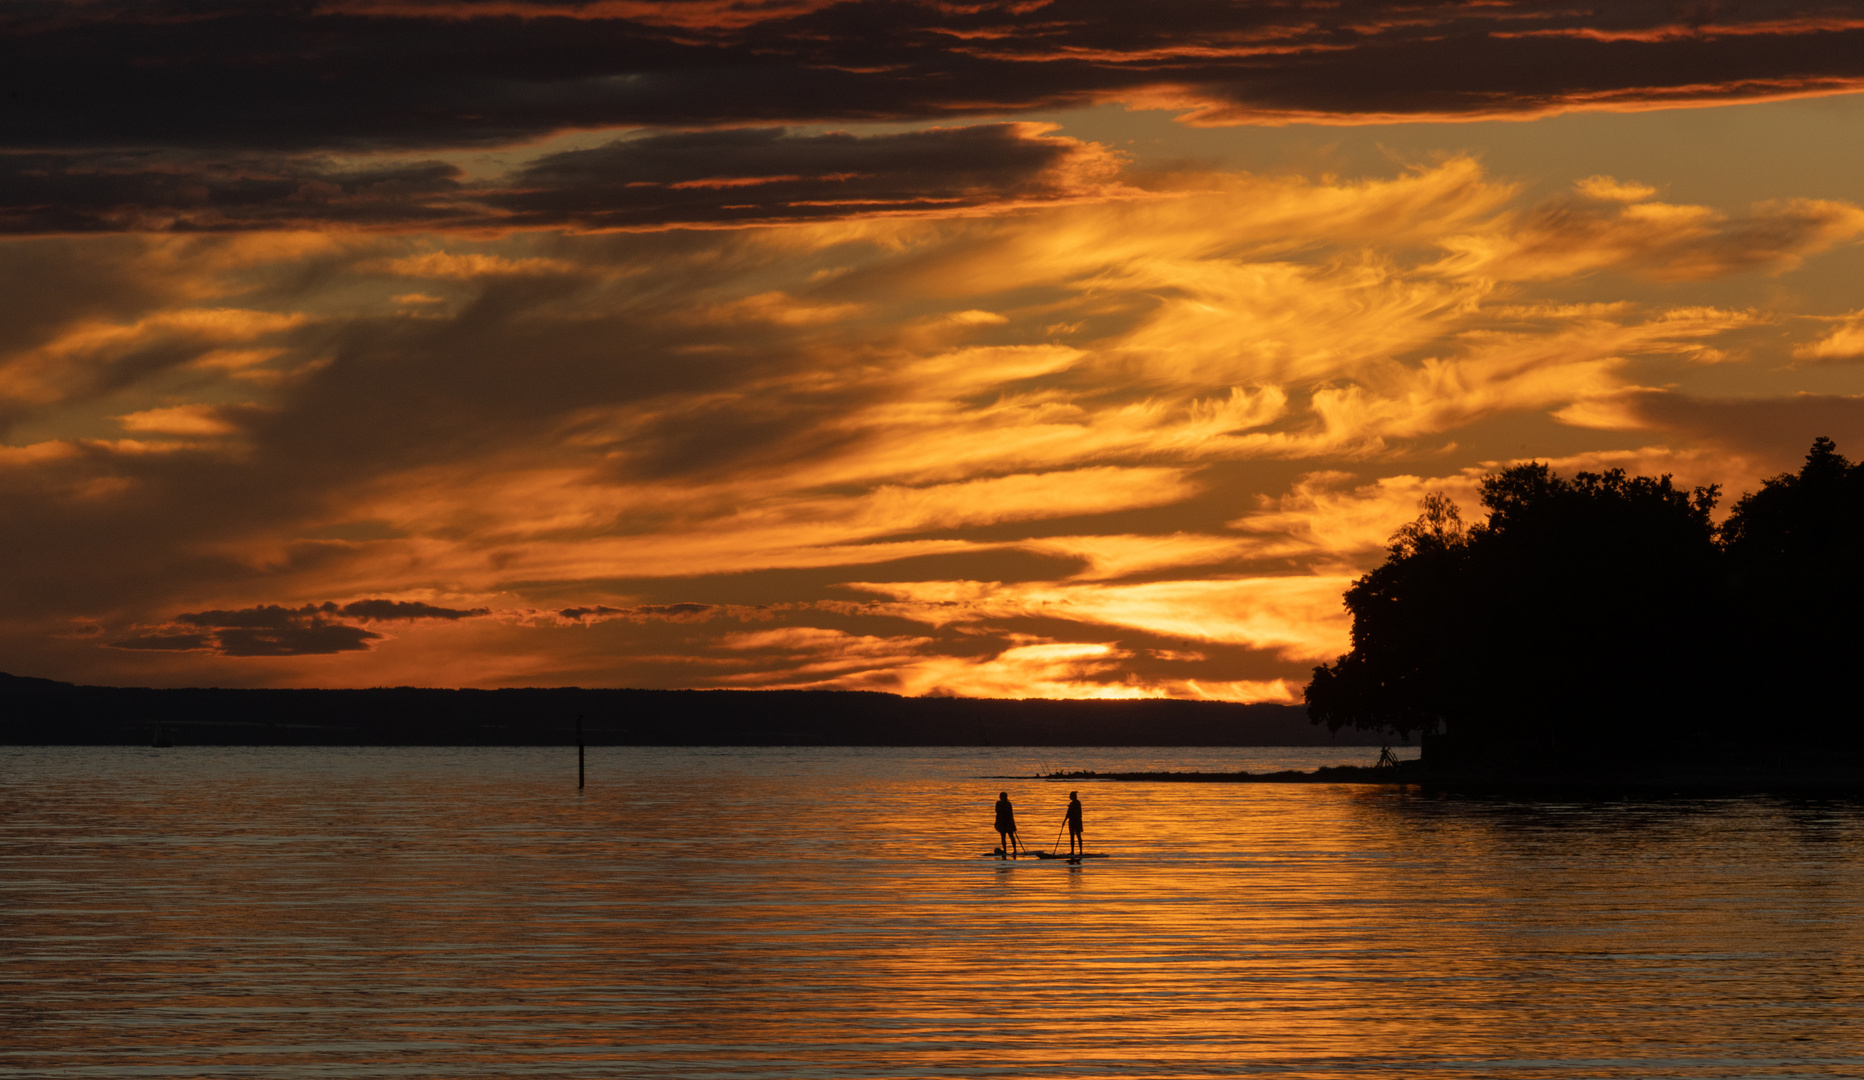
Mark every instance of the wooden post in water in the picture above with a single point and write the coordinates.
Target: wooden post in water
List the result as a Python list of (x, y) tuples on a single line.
[(579, 754)]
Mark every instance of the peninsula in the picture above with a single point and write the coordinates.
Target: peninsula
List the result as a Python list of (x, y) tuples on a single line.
[(1606, 628)]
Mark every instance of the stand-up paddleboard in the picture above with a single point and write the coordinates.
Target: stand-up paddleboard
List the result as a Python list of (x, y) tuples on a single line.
[(1065, 855)]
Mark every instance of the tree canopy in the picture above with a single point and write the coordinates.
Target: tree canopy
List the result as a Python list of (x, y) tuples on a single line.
[(1795, 569), (1609, 606)]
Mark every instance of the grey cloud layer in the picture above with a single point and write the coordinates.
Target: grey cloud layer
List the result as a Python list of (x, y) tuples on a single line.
[(158, 115), (239, 76), (152, 191), (725, 177), (760, 176)]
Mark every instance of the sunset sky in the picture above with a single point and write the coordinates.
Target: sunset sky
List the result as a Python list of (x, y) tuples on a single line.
[(1006, 349)]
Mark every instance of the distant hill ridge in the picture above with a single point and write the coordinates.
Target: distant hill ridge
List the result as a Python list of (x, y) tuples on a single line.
[(37, 711)]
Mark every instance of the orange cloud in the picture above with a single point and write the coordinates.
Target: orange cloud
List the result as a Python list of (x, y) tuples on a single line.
[(1611, 189), (178, 420), (779, 307), (84, 354), (465, 267), (1116, 556), (1201, 110), (1320, 517), (1844, 341)]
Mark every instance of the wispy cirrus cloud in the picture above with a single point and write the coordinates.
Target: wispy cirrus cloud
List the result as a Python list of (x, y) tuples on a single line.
[(1620, 226), (1115, 426)]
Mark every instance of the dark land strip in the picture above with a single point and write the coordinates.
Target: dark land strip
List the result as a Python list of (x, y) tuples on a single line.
[(44, 712)]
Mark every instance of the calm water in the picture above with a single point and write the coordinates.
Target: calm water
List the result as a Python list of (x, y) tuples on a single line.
[(824, 913)]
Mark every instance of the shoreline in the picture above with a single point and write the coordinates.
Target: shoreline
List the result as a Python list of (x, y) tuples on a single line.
[(1325, 774), (1707, 783)]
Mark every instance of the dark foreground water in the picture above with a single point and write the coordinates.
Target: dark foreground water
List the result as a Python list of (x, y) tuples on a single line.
[(296, 912)]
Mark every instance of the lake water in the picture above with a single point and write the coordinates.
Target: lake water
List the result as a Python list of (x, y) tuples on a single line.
[(822, 912)]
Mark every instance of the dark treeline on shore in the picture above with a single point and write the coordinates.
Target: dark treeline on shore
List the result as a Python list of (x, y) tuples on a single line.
[(1607, 621), (43, 712)]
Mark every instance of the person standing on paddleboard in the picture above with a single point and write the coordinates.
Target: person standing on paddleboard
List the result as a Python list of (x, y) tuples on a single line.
[(1006, 826), (1074, 825)]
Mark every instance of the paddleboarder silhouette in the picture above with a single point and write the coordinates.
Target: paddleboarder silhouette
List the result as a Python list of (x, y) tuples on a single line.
[(1006, 826), (1076, 844)]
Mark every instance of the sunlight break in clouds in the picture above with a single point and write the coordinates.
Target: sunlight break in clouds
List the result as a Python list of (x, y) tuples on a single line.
[(830, 659), (1293, 616)]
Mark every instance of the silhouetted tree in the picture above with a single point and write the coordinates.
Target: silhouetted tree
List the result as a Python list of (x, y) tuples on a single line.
[(1796, 569), (1402, 672), (1581, 609)]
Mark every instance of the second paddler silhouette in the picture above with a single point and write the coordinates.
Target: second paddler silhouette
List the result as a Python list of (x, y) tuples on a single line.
[(1077, 835), (1006, 827)]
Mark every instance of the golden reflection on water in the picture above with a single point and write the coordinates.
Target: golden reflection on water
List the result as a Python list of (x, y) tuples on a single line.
[(824, 913)]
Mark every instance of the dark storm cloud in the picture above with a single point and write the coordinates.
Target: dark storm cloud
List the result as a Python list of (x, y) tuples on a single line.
[(273, 630), (272, 616), (166, 642), (263, 617), (767, 175), (361, 76), (674, 612), (577, 614), (312, 638), (677, 613), (385, 610), (147, 191), (316, 639), (726, 177)]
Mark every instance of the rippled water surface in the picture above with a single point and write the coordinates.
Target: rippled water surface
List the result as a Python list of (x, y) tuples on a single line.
[(360, 913)]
